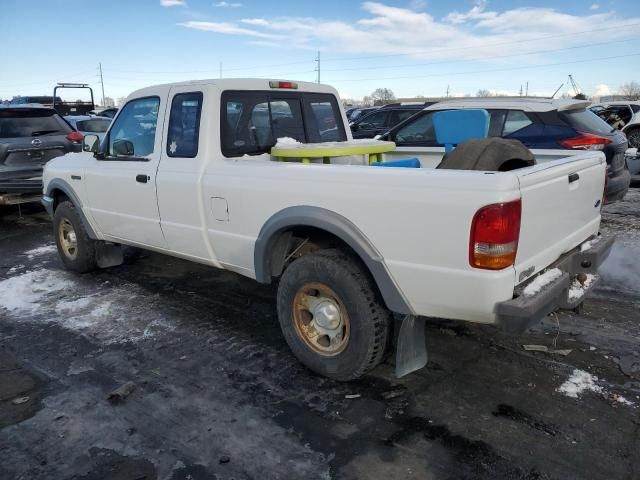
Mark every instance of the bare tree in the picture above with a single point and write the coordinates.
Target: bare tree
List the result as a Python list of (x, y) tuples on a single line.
[(381, 96), (483, 92), (630, 90), (109, 102)]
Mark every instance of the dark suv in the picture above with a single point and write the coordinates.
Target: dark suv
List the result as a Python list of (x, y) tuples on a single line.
[(539, 123), (384, 118), (30, 136)]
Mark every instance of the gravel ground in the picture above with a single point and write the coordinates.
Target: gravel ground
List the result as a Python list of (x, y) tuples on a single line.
[(219, 396)]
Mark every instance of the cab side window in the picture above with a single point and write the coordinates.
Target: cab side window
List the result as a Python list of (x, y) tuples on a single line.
[(134, 132), (184, 125)]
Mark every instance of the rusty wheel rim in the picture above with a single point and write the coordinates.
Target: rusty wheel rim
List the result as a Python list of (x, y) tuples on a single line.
[(68, 240), (321, 319)]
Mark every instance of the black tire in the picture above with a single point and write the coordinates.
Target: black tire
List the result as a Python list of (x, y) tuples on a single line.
[(368, 321), (83, 258)]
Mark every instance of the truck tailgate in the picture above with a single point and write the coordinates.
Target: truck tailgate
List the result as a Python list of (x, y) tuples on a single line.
[(560, 209)]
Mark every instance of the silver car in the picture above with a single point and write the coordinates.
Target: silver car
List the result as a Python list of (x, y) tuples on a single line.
[(89, 124)]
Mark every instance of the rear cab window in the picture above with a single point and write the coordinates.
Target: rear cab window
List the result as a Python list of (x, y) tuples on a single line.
[(253, 121)]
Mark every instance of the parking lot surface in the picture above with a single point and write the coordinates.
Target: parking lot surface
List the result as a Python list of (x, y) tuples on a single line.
[(212, 391)]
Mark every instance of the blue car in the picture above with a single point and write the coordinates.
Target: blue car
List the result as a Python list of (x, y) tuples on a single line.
[(539, 123)]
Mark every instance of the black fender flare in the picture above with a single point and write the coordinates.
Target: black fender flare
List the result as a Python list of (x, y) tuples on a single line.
[(341, 227), (64, 187)]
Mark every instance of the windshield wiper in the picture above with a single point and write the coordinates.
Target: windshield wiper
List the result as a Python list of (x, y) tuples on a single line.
[(43, 132)]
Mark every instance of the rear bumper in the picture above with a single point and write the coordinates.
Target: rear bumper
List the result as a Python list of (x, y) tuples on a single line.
[(31, 186), (21, 180), (520, 313), (617, 186)]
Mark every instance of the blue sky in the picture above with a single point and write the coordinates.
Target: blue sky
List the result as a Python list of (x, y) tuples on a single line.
[(414, 47)]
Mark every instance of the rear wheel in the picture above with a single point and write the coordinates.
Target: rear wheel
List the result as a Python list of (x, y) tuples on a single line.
[(331, 316), (76, 249)]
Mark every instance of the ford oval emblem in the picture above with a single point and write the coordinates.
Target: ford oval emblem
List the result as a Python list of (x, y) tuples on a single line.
[(36, 142)]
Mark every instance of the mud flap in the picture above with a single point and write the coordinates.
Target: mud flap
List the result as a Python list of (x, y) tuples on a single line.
[(108, 254), (411, 350)]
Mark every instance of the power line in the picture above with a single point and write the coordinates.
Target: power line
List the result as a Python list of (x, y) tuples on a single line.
[(444, 74)]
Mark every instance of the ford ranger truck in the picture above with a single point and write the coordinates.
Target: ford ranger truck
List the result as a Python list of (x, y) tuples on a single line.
[(186, 170)]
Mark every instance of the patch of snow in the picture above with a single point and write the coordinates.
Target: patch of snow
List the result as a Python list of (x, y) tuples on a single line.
[(15, 268), (73, 306), (588, 245), (622, 400), (287, 141), (542, 281), (40, 250), (577, 289), (25, 293), (110, 314), (579, 382)]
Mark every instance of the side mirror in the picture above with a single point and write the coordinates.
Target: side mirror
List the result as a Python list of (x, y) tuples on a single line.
[(90, 143), (123, 148)]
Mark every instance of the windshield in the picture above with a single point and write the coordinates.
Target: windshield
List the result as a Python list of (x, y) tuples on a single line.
[(31, 123)]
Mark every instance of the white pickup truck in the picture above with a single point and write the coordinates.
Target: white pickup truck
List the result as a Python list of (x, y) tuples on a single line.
[(186, 170)]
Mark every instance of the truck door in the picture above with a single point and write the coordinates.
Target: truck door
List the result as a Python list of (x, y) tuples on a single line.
[(179, 174), (121, 184)]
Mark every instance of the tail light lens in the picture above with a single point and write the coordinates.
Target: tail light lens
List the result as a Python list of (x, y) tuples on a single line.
[(495, 231), (585, 141), (75, 137)]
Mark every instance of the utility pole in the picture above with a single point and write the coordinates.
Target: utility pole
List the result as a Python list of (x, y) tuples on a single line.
[(526, 93), (520, 89), (318, 67), (447, 94), (101, 82)]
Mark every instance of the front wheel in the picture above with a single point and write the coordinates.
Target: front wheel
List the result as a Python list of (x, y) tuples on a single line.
[(75, 247), (331, 316)]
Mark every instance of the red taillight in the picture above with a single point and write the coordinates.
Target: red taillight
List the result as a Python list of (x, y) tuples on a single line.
[(289, 85), (495, 231), (585, 141), (75, 137)]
